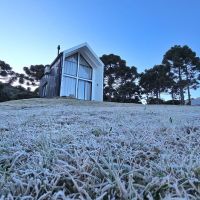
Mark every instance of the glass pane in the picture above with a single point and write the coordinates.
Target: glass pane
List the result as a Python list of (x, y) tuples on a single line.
[(83, 61), (85, 72), (70, 86), (88, 90), (84, 90), (71, 65), (73, 58), (70, 68), (81, 89)]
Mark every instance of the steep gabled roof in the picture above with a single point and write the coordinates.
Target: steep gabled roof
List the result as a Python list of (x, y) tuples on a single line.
[(87, 52)]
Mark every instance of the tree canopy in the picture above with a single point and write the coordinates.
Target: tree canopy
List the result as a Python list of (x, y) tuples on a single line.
[(185, 67), (119, 80), (155, 80), (34, 73), (5, 69)]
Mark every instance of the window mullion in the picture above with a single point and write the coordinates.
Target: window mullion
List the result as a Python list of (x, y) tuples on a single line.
[(84, 89), (83, 79), (77, 75)]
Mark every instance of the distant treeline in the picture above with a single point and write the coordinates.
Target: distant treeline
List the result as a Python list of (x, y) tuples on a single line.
[(8, 92), (15, 85), (176, 75)]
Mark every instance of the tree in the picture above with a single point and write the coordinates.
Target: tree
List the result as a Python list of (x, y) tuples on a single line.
[(111, 62), (128, 92), (118, 79), (21, 78), (156, 80), (34, 73), (7, 73), (9, 92), (14, 76), (185, 67), (5, 69)]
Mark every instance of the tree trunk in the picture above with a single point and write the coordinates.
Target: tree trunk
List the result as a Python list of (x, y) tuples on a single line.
[(147, 98), (182, 96), (189, 96), (157, 94), (181, 87), (172, 94), (188, 88)]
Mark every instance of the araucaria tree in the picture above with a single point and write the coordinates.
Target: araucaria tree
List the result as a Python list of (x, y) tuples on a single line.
[(156, 80), (33, 74), (185, 67), (5, 69), (119, 80)]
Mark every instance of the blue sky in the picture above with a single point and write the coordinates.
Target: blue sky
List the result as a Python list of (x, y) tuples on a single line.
[(140, 31)]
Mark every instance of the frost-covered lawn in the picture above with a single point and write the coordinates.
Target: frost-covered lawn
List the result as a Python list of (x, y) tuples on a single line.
[(70, 149)]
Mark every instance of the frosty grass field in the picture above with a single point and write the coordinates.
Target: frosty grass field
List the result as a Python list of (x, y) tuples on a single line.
[(70, 149)]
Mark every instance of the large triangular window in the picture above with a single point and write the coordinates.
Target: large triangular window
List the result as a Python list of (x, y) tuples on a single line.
[(77, 77)]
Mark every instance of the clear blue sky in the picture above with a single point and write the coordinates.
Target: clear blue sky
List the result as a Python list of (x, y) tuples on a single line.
[(140, 31)]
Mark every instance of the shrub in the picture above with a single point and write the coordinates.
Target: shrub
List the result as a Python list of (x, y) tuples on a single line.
[(3, 95), (155, 101), (172, 102)]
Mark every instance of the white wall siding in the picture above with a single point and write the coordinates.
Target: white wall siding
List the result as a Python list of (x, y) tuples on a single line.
[(98, 84)]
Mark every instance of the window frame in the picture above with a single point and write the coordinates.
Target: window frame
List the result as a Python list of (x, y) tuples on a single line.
[(77, 73), (72, 62), (84, 91)]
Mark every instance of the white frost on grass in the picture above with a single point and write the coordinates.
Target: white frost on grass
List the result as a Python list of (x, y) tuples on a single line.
[(70, 149)]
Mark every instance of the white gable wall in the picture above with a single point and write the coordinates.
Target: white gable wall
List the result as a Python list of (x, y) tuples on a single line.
[(97, 84), (97, 72)]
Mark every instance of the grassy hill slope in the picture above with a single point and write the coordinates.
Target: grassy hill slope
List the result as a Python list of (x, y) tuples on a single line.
[(72, 149)]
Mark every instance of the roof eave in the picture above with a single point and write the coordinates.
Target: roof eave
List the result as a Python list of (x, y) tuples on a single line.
[(82, 46)]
